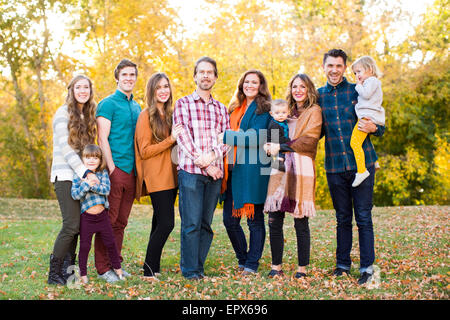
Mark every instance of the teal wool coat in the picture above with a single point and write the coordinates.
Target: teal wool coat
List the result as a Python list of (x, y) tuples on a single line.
[(251, 172)]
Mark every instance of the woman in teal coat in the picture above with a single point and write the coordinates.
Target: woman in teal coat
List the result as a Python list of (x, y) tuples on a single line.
[(247, 168)]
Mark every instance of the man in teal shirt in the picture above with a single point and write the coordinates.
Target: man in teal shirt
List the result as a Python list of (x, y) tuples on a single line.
[(117, 115)]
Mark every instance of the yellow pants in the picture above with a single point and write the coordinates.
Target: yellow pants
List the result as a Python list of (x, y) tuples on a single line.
[(356, 142)]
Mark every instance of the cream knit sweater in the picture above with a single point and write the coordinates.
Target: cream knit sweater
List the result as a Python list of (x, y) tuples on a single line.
[(370, 98), (66, 160)]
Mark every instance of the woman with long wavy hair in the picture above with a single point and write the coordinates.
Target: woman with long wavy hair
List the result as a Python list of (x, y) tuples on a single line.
[(156, 173), (244, 186), (293, 190), (74, 126)]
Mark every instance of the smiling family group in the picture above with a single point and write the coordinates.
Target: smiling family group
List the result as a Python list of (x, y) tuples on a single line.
[(257, 157)]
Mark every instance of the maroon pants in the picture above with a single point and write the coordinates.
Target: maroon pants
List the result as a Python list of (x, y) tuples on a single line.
[(99, 225), (121, 197)]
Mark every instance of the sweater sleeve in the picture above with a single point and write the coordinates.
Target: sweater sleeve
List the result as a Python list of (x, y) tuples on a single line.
[(60, 127), (308, 139), (143, 137), (368, 88)]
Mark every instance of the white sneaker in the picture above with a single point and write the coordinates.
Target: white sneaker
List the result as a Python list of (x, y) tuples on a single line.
[(110, 276), (359, 178)]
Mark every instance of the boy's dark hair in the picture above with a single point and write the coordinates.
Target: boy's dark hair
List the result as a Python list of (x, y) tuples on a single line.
[(123, 64), (335, 53), (209, 60)]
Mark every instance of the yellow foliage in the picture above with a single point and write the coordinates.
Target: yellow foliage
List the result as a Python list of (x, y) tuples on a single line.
[(278, 37), (442, 161)]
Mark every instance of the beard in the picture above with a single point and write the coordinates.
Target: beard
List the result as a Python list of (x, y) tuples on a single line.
[(205, 85)]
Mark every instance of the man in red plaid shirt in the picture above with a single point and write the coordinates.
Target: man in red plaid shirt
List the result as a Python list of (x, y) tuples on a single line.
[(200, 166)]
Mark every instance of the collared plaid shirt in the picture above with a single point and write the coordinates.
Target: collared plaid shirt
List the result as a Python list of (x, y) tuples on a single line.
[(202, 122), (91, 196), (339, 119)]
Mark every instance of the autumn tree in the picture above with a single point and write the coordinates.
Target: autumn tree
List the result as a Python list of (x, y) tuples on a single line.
[(141, 31), (278, 37), (417, 140), (25, 54)]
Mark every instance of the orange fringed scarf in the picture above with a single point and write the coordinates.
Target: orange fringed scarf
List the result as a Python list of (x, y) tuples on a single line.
[(248, 210)]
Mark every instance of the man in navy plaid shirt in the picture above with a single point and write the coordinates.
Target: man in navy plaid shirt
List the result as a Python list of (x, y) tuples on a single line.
[(337, 99)]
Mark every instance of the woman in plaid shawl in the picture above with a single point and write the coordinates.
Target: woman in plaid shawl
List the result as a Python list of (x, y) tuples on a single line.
[(293, 191)]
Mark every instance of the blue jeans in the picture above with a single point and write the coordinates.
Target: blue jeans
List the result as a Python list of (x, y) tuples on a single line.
[(197, 201), (344, 198), (248, 258)]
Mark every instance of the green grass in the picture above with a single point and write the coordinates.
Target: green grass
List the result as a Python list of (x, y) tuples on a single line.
[(411, 243)]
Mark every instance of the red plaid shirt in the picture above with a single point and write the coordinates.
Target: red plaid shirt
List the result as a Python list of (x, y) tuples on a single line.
[(202, 122)]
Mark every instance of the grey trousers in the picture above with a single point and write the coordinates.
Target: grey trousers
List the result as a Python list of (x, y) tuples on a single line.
[(66, 242)]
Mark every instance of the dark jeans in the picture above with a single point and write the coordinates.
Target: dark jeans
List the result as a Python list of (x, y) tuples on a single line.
[(66, 241), (248, 257), (197, 201), (121, 197), (99, 225), (162, 225), (276, 221), (345, 198)]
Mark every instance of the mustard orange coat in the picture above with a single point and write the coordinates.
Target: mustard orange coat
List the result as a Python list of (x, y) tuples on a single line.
[(154, 166)]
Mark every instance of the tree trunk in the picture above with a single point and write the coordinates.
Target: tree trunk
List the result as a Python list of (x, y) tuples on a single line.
[(21, 110)]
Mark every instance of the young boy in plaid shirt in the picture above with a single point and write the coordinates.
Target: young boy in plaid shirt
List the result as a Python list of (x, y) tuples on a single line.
[(94, 210)]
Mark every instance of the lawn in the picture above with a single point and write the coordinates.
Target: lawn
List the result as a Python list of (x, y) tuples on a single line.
[(411, 243)]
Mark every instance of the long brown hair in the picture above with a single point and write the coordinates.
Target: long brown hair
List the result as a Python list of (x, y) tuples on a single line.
[(311, 97), (160, 128), (263, 99), (82, 125)]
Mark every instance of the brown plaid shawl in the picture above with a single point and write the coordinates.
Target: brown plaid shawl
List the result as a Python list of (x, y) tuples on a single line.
[(294, 190)]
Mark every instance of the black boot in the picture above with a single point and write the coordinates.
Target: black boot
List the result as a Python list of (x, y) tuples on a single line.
[(54, 274), (69, 260)]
